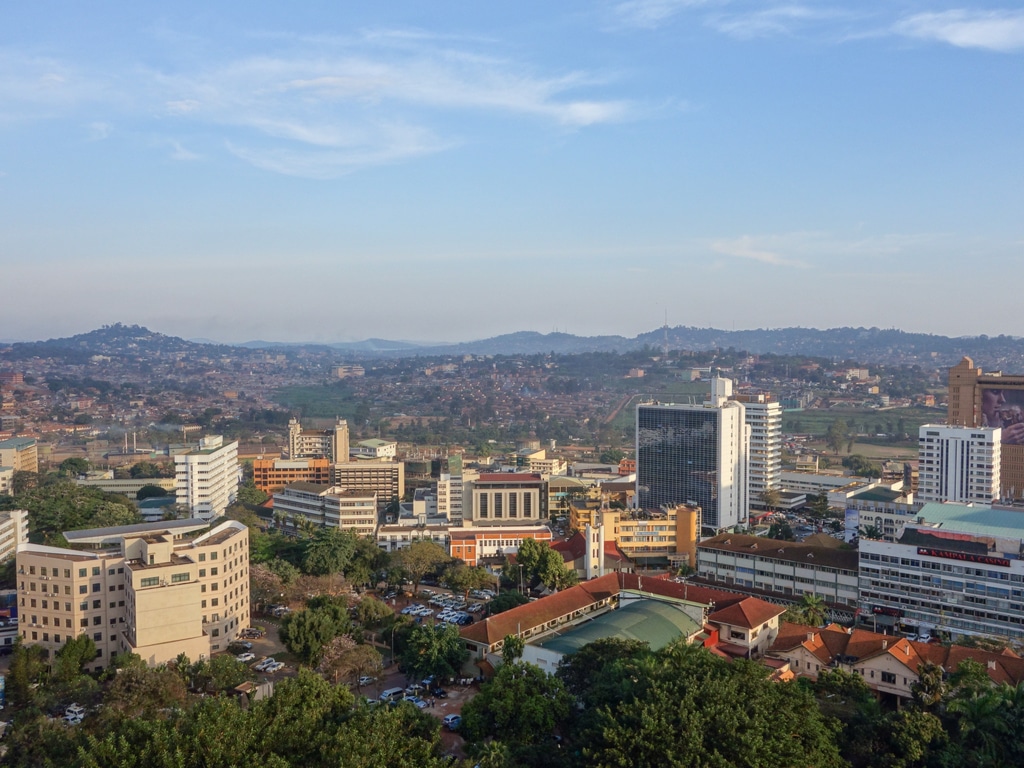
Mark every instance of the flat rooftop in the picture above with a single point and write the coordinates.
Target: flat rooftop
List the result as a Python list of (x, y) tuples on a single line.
[(114, 534), (976, 520)]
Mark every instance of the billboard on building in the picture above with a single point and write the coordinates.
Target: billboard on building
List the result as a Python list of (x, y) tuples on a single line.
[(851, 529), (1004, 408)]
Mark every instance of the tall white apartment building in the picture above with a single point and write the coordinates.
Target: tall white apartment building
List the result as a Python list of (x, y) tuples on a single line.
[(206, 478), (450, 490), (13, 532), (329, 444), (959, 464), (764, 417), (695, 455)]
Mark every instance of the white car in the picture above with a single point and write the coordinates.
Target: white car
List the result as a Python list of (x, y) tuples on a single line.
[(366, 680), (262, 666), (277, 666), (245, 657)]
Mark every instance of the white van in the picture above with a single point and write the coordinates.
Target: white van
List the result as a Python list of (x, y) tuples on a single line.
[(392, 693)]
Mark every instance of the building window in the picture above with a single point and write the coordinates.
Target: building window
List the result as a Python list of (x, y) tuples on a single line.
[(83, 589), (150, 581), (96, 570), (889, 677), (98, 637), (81, 572), (178, 578), (202, 557), (202, 573), (96, 604)]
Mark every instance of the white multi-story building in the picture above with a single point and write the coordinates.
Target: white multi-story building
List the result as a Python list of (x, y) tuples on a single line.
[(13, 532), (331, 444), (450, 490), (206, 478), (695, 455), (374, 449), (764, 417), (958, 569), (959, 464), (6, 480), (329, 507)]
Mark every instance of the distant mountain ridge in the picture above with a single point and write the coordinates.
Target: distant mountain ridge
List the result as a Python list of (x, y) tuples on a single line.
[(867, 345)]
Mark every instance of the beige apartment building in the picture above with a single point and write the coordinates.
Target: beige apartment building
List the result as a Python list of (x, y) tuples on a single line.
[(978, 399), (155, 589), (385, 478), (19, 453), (329, 507)]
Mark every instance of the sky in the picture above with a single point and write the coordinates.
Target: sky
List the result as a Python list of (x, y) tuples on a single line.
[(449, 171)]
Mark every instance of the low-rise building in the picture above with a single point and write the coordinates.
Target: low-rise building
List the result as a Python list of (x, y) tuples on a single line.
[(474, 545), (272, 475), (956, 568), (19, 453), (374, 449), (787, 569), (328, 506), (394, 537)]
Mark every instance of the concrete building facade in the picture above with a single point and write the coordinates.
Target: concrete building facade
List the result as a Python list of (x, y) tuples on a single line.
[(328, 507), (695, 455), (206, 478), (20, 454), (151, 589), (13, 533), (959, 464), (506, 499), (764, 418), (271, 475), (385, 478), (330, 444)]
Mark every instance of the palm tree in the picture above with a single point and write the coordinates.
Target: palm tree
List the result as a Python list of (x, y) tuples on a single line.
[(983, 726), (930, 687), (814, 609)]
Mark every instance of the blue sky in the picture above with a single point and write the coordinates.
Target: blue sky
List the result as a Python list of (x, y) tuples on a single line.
[(454, 170)]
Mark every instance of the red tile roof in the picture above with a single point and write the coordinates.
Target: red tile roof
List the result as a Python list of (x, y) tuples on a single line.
[(749, 613)]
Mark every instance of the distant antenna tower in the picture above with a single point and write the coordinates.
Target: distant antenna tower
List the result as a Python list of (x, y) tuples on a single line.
[(665, 328)]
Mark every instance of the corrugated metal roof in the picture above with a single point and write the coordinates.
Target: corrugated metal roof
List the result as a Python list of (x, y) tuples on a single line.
[(651, 621), (980, 521)]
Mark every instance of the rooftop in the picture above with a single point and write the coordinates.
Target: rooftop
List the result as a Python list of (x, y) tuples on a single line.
[(977, 520), (18, 443), (115, 534), (791, 551), (653, 622)]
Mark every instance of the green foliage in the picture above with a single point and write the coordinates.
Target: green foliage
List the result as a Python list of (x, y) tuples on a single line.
[(521, 706), (862, 466), (506, 601), (150, 492), (55, 505), (512, 648), (819, 506), (461, 578), (781, 531), (249, 494), (306, 632), (372, 613), (28, 667), (434, 650), (583, 670), (70, 659), (74, 467), (284, 570), (419, 559), (328, 551), (836, 435)]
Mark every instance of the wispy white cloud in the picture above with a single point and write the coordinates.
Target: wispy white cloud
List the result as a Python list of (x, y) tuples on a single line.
[(746, 247), (993, 30), (777, 20), (650, 14), (98, 131), (178, 152)]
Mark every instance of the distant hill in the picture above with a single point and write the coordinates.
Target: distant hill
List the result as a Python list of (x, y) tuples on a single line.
[(867, 345)]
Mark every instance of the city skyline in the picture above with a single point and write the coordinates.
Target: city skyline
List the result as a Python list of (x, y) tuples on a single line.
[(467, 171)]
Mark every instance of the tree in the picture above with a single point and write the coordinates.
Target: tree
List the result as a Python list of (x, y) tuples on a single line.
[(305, 632), (583, 669), (506, 601), (870, 532), (265, 586), (342, 657), (553, 571), (814, 609), (110, 515), (250, 495), (781, 531), (434, 650), (28, 667), (836, 435), (142, 691), (75, 654), (521, 706), (930, 687), (150, 492), (419, 559), (74, 467), (512, 648), (461, 578), (819, 506), (372, 613), (284, 570), (770, 498), (328, 551)]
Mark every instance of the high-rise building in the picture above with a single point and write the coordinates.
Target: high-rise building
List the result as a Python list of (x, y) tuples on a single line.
[(206, 478), (695, 455), (155, 589), (385, 478), (331, 444), (450, 495), (13, 532), (764, 417), (978, 399), (959, 464)]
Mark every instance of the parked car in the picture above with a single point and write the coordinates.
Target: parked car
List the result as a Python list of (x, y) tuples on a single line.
[(277, 666), (438, 693), (452, 722), (261, 666), (366, 680), (245, 657), (416, 701)]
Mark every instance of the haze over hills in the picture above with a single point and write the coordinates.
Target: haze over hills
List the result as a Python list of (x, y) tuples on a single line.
[(867, 345)]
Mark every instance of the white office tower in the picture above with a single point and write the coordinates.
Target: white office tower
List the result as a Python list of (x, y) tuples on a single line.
[(959, 464), (697, 455), (764, 417), (206, 478)]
